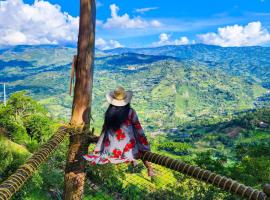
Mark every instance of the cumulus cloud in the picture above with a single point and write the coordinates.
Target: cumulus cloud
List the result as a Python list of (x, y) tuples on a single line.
[(39, 23), (110, 44), (143, 10), (165, 39), (155, 23), (251, 34), (124, 21)]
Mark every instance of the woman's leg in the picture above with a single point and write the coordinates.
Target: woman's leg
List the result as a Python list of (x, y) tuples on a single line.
[(146, 164), (149, 168)]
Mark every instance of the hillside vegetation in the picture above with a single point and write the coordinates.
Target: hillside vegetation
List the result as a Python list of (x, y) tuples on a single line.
[(205, 105)]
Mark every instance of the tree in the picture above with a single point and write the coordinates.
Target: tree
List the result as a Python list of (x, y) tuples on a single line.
[(80, 119), (39, 127), (20, 105), (14, 117)]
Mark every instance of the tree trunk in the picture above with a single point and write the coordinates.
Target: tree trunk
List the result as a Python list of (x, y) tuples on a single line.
[(81, 108)]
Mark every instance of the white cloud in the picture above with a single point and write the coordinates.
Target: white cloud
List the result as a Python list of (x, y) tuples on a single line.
[(155, 23), (164, 39), (110, 44), (124, 21), (39, 23), (251, 34), (143, 10)]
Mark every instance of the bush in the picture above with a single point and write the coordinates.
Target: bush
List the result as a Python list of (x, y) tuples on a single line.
[(177, 148), (39, 127)]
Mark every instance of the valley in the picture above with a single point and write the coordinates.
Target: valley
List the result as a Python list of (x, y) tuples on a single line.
[(205, 105)]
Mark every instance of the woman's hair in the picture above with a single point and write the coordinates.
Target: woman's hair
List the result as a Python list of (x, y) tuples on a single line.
[(115, 116)]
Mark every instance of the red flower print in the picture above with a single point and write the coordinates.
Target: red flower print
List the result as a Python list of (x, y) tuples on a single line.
[(127, 148), (117, 153), (127, 122), (133, 142), (143, 139), (137, 125), (103, 160), (118, 131), (93, 163), (107, 142), (92, 156), (130, 145), (120, 135)]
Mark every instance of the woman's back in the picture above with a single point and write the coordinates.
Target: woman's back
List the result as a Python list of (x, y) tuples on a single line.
[(123, 144), (122, 138)]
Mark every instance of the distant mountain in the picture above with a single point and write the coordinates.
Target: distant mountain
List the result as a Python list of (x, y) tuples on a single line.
[(245, 61), (190, 51), (196, 103), (171, 84), (133, 59), (180, 51)]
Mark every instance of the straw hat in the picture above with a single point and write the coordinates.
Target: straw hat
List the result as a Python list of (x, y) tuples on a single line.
[(119, 97)]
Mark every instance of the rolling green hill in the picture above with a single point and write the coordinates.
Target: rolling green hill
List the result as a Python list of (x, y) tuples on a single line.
[(252, 62), (205, 105), (176, 84)]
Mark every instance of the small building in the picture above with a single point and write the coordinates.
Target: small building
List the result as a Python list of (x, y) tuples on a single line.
[(263, 124)]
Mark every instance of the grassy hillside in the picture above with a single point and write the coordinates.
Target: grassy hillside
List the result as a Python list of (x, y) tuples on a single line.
[(193, 104), (176, 84), (13, 147), (251, 62), (11, 157)]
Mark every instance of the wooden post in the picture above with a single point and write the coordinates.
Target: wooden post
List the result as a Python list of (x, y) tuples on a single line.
[(81, 108)]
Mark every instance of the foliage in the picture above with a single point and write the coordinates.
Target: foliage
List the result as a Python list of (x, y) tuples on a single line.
[(177, 148), (39, 127), (25, 124), (12, 156), (217, 96), (25, 121)]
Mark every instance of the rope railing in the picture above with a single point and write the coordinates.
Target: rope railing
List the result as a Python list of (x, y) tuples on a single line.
[(207, 176), (10, 186), (171, 181), (217, 180)]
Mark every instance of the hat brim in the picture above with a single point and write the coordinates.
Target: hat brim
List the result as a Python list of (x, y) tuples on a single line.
[(115, 102)]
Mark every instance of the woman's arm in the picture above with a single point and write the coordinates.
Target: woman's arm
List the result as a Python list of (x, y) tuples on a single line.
[(142, 141)]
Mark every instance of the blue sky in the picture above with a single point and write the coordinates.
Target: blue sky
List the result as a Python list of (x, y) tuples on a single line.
[(158, 22)]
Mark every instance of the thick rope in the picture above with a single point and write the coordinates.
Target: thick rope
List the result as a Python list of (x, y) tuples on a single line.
[(221, 182), (207, 176), (10, 186)]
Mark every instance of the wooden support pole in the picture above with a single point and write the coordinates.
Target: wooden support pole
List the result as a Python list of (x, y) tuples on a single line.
[(81, 108)]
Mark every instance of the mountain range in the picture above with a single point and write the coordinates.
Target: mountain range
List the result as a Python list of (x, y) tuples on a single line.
[(172, 84)]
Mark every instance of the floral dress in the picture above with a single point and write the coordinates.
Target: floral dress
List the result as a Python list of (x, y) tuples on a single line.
[(122, 145)]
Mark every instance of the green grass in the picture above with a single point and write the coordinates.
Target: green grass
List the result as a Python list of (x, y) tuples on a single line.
[(40, 195), (256, 136), (13, 147)]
